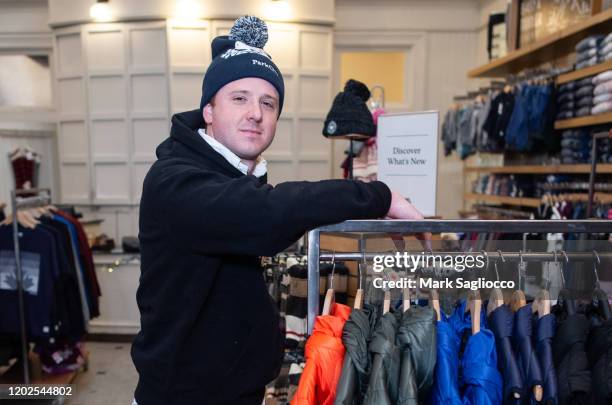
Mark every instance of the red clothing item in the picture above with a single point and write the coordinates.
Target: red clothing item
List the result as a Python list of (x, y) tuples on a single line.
[(324, 357)]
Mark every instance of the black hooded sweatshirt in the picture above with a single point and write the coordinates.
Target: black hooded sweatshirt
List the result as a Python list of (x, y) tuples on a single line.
[(209, 330)]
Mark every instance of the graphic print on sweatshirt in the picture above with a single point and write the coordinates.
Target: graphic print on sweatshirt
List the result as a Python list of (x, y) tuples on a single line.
[(30, 268)]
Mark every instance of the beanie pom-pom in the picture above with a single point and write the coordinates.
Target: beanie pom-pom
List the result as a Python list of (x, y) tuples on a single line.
[(250, 30), (357, 88)]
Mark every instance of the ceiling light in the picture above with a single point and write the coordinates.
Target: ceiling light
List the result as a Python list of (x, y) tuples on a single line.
[(278, 10), (101, 11)]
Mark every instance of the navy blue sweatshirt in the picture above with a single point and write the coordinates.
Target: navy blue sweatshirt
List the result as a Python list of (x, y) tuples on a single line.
[(209, 329)]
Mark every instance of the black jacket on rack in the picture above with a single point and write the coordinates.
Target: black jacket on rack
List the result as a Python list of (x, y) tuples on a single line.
[(417, 338), (573, 374), (209, 329), (599, 353), (357, 364), (384, 380)]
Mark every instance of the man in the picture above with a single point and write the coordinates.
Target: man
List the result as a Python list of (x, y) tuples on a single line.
[(209, 330)]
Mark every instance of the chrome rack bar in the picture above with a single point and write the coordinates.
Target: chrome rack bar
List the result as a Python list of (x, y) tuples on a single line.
[(507, 256), (437, 226), (459, 225)]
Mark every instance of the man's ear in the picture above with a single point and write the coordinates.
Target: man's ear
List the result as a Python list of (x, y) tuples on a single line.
[(207, 113)]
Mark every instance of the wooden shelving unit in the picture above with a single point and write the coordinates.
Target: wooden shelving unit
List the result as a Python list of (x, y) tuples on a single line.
[(603, 168), (498, 199), (605, 198), (553, 47), (586, 72), (587, 121)]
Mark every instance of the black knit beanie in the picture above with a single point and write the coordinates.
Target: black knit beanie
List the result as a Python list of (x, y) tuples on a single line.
[(349, 113), (241, 55)]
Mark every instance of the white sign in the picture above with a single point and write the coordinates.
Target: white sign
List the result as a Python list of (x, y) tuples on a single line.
[(408, 156)]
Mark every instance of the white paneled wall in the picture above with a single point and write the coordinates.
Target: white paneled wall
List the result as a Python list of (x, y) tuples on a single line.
[(118, 85), (114, 109), (72, 108), (190, 55), (303, 54)]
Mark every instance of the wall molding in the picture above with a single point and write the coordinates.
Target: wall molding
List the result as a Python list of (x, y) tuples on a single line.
[(30, 42)]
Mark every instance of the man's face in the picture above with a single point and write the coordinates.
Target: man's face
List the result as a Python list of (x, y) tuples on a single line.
[(243, 116)]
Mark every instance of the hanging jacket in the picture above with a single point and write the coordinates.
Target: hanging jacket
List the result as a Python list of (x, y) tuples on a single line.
[(445, 389), (416, 338), (473, 379), (324, 356), (449, 131), (497, 121), (545, 331), (573, 374), (209, 328), (481, 381), (501, 322), (525, 353), (517, 129), (384, 379), (355, 374), (599, 352)]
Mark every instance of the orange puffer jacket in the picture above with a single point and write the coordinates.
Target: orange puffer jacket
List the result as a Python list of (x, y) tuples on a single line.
[(324, 356)]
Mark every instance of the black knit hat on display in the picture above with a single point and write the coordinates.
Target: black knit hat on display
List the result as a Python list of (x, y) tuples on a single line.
[(241, 55), (349, 113)]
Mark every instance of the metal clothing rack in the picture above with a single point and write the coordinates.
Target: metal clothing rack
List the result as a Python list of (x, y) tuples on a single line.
[(364, 228), (17, 204)]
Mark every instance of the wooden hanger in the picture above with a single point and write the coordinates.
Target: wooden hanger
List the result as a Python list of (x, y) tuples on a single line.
[(26, 219), (330, 295), (358, 304), (358, 299), (496, 300), (518, 300), (406, 299), (387, 295), (434, 302), (386, 302), (474, 305), (541, 303), (518, 297)]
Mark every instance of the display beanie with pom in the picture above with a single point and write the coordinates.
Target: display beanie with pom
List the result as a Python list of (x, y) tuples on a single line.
[(349, 113), (239, 55)]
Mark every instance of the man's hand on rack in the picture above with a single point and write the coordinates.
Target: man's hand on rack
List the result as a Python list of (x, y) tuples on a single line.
[(401, 209)]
